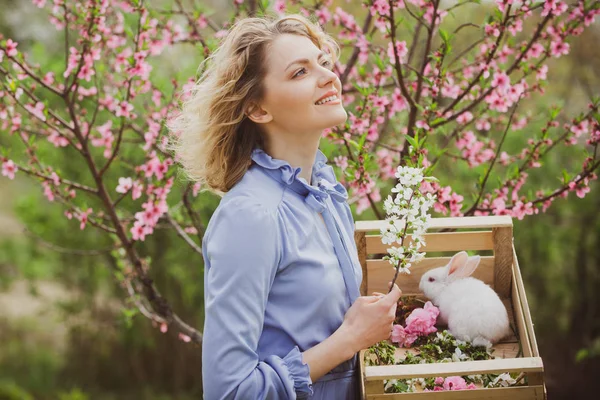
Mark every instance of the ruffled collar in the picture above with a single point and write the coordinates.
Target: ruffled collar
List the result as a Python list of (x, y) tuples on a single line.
[(322, 174)]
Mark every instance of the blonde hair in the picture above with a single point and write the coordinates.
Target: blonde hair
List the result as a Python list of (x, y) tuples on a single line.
[(212, 137)]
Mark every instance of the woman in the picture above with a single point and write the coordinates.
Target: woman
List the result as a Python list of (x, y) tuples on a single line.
[(284, 317)]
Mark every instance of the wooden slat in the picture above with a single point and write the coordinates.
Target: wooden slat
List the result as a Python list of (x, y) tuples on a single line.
[(508, 393), (511, 337), (525, 305), (528, 364), (361, 247), (380, 272), (449, 241), (503, 252), (441, 223), (519, 288), (517, 302), (361, 371)]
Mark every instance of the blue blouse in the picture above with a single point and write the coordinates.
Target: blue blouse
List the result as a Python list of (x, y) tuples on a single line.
[(277, 280)]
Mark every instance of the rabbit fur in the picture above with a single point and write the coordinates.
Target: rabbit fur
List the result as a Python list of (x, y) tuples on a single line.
[(471, 309)]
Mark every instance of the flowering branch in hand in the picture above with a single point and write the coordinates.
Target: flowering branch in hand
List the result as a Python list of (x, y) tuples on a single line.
[(407, 211)]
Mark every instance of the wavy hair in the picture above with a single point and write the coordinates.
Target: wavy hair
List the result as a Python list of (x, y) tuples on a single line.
[(212, 138)]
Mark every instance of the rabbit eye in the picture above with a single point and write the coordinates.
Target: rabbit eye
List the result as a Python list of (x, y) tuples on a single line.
[(431, 279)]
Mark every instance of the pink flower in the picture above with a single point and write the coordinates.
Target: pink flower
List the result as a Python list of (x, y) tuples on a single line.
[(8, 169), (185, 338), (136, 193), (464, 117), (124, 109), (83, 218), (501, 80), (455, 383), (402, 337), (401, 49), (11, 48), (422, 320), (439, 381), (559, 48), (125, 184)]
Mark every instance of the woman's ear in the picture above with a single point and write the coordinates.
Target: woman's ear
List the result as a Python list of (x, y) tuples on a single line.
[(258, 115)]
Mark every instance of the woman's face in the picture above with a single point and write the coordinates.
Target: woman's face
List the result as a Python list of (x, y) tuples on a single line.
[(293, 88)]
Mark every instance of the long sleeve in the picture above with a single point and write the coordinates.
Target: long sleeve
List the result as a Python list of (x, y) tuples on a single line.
[(242, 249)]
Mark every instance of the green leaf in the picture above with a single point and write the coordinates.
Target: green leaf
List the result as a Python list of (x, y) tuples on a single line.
[(354, 144), (582, 354), (378, 61), (361, 142), (412, 142), (566, 177), (554, 112)]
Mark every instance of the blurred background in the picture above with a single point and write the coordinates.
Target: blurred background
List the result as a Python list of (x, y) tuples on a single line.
[(64, 330)]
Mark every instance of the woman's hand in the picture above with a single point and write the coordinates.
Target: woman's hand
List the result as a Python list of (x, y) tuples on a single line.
[(370, 319)]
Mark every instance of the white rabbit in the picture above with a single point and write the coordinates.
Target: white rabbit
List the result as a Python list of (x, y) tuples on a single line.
[(471, 309)]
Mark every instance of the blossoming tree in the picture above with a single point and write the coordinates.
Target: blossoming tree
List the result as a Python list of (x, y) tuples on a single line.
[(417, 92)]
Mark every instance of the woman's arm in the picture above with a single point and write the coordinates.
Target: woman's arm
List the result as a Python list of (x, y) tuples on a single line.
[(328, 354), (242, 251)]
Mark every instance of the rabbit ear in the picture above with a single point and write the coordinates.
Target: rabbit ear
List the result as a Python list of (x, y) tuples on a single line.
[(471, 266), (468, 268), (456, 263)]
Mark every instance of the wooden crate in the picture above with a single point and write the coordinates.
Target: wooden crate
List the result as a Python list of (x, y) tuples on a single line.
[(492, 238)]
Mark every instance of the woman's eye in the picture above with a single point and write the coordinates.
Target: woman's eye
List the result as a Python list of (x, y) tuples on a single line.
[(326, 63)]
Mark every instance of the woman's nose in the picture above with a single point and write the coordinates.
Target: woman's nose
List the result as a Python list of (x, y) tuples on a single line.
[(328, 77)]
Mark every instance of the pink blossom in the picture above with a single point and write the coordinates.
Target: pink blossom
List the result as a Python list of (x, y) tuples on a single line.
[(483, 125), (185, 338), (520, 209), (580, 128), (420, 322), (535, 50), (381, 7), (399, 103), (164, 327), (139, 231), (37, 110), (439, 381), (401, 49), (402, 337), (559, 48), (455, 383), (73, 61), (57, 139), (464, 117), (8, 169), (83, 218), (580, 189), (422, 124), (501, 80), (11, 48), (48, 78), (136, 193), (39, 3), (124, 109), (341, 162), (125, 184), (555, 7), (542, 72), (48, 191)]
